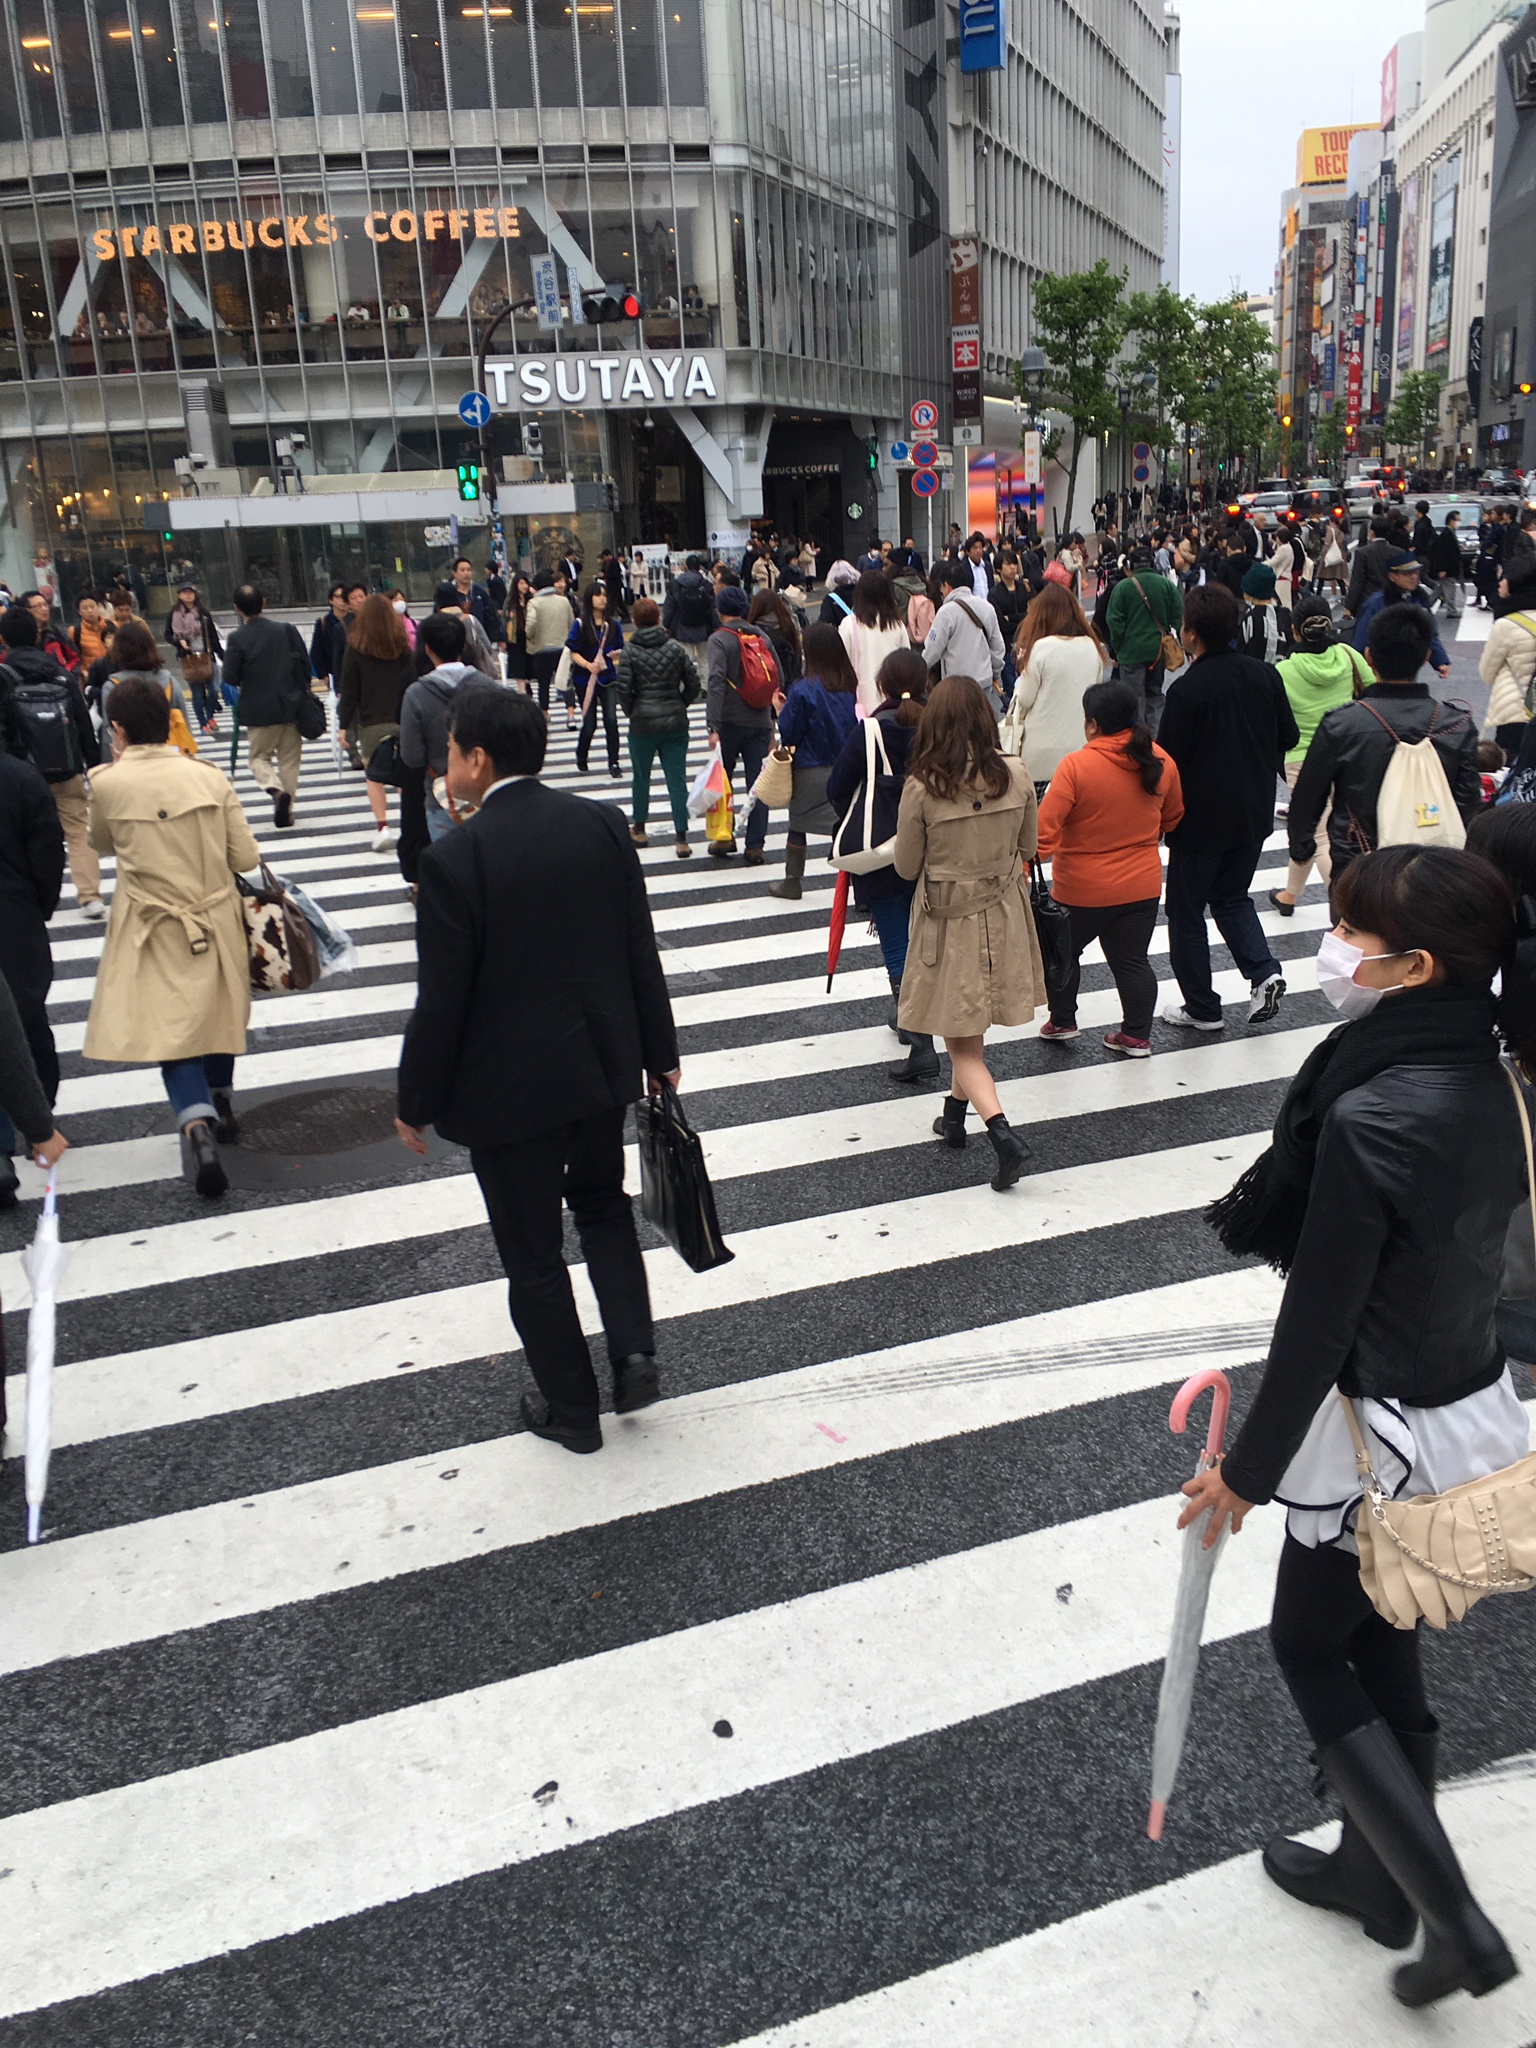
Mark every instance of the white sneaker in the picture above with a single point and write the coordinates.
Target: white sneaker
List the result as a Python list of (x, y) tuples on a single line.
[(95, 910), (1180, 1016), (1264, 1003), (384, 839)]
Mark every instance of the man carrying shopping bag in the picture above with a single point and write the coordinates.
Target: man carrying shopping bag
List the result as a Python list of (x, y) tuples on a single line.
[(540, 891)]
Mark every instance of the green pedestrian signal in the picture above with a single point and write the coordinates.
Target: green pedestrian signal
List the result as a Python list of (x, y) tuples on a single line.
[(469, 482)]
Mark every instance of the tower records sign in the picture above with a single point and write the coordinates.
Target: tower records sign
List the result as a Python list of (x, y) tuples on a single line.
[(632, 377)]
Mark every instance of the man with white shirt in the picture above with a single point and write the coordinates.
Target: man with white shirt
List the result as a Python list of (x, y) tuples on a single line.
[(981, 573), (965, 639), (541, 1014)]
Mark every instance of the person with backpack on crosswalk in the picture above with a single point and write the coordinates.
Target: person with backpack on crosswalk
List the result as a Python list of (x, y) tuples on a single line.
[(49, 711), (1398, 766), (744, 679), (689, 613)]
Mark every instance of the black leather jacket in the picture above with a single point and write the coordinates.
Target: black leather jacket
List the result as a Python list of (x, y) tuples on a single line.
[(1349, 756), (1393, 1290)]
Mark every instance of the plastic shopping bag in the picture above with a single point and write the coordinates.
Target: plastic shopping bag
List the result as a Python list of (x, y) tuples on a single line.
[(707, 785), (720, 818), (336, 951)]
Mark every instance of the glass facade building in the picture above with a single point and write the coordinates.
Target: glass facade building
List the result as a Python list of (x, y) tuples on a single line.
[(229, 225)]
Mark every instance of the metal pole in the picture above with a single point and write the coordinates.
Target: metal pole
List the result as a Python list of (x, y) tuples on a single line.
[(479, 349)]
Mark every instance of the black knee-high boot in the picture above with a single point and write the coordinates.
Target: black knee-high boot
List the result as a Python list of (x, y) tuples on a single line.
[(1463, 1950)]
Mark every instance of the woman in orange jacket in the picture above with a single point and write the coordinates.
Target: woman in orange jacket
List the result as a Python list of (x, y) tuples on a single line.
[(1100, 822)]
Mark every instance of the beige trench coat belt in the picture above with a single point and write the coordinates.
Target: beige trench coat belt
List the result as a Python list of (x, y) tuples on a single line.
[(984, 893), (196, 918)]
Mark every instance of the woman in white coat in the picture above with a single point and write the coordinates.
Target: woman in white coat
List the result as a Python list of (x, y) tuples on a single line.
[(1056, 656), (872, 630)]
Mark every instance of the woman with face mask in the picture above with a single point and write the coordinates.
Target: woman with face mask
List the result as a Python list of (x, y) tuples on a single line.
[(1396, 1163)]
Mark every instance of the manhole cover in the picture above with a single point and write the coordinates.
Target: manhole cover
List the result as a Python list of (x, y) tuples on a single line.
[(324, 1121)]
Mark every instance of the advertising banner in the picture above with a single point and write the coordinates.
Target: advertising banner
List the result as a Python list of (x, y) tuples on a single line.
[(1444, 181), (965, 324), (1407, 290)]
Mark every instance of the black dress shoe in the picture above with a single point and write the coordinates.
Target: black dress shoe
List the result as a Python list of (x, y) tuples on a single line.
[(635, 1383), (1285, 909), (9, 1184), (227, 1125), (534, 1410)]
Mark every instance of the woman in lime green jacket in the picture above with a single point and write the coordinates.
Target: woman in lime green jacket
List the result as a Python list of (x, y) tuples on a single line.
[(1321, 673)]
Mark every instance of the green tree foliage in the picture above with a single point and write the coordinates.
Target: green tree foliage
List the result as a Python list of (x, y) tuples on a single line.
[(1079, 325), (1414, 414), (1235, 355), (1328, 438), (1161, 331)]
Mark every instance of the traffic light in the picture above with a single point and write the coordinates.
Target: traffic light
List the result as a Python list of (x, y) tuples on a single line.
[(872, 452), (469, 482), (614, 302), (1285, 419)]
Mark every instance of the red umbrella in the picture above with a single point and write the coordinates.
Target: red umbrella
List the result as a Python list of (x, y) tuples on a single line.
[(838, 925)]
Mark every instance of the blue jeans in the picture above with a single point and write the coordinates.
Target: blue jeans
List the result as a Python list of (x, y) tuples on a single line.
[(749, 745), (439, 823), (892, 917), (190, 1084), (1221, 880), (205, 702)]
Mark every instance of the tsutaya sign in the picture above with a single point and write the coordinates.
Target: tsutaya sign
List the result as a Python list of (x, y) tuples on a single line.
[(630, 378)]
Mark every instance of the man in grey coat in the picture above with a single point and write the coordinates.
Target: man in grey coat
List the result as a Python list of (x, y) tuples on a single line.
[(425, 708), (965, 639)]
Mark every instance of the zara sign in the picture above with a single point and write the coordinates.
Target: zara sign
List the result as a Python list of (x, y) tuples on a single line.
[(633, 378)]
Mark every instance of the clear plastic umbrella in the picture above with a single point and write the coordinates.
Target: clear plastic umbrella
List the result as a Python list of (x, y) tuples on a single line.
[(44, 1263), (1183, 1659)]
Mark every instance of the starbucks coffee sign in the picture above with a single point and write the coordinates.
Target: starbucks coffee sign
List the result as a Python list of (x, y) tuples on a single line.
[(631, 378)]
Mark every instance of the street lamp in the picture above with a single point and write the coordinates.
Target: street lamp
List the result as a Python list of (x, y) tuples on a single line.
[(479, 349), (1124, 396)]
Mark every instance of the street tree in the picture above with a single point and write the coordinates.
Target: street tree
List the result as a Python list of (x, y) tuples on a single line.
[(1162, 334), (1079, 326), (1414, 415), (1235, 355), (1328, 439)]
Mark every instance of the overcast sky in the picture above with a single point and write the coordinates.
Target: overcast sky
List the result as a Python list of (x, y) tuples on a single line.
[(1253, 79)]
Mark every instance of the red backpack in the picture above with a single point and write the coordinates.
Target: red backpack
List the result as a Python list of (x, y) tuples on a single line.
[(759, 683)]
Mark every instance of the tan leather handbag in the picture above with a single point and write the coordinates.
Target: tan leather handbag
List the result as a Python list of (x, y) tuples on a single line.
[(1434, 1556)]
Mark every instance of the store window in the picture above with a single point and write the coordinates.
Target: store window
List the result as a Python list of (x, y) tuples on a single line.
[(77, 73), (552, 35), (684, 34), (597, 38), (246, 56), (288, 53), (117, 38), (11, 129), (421, 51), (35, 53), (194, 31), (511, 63), (469, 65), (378, 53), (641, 36), (160, 59)]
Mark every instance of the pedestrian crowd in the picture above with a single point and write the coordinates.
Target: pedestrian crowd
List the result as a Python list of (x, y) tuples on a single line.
[(1122, 710)]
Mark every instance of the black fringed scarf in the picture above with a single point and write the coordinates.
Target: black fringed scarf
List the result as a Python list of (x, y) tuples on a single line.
[(1262, 1213)]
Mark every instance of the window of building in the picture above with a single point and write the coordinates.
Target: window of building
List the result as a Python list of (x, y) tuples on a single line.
[(597, 38), (421, 49), (468, 54), (511, 63), (196, 39), (246, 58), (288, 54), (553, 26), (35, 53), (76, 70), (641, 36)]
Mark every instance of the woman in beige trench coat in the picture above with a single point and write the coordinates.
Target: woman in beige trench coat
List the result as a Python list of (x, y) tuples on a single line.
[(175, 981), (965, 828)]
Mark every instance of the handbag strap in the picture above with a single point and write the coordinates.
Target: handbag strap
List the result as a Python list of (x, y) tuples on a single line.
[(1141, 592)]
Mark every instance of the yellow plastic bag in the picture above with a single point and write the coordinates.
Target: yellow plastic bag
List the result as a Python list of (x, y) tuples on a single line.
[(720, 818)]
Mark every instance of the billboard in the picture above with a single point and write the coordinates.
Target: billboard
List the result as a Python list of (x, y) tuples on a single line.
[(983, 35), (1322, 154), (965, 325), (1407, 293), (1444, 183)]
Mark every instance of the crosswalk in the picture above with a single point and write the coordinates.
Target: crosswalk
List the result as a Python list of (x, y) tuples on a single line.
[(816, 1712)]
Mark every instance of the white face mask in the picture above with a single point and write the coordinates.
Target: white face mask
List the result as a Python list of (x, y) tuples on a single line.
[(1337, 961), (399, 604)]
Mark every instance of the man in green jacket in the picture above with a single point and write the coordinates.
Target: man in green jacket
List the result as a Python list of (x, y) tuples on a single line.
[(1142, 607)]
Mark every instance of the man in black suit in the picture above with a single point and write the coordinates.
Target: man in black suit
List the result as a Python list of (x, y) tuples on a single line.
[(541, 1011), (268, 663)]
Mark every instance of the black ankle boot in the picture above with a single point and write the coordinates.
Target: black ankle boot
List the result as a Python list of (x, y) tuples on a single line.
[(227, 1126), (200, 1157), (891, 1008), (1352, 1879), (921, 1062), (949, 1124), (1011, 1151), (1463, 1950)]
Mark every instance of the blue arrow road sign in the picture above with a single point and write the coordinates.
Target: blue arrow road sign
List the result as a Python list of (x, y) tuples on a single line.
[(899, 451), (475, 409)]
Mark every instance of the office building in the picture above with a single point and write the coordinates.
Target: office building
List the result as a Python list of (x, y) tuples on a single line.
[(266, 241), (1506, 387)]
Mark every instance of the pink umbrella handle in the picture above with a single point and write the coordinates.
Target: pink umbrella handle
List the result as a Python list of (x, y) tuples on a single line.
[(1221, 1401)]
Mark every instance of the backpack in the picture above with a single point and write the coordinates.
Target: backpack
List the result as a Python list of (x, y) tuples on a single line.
[(695, 606), (1414, 806), (46, 717), (759, 683)]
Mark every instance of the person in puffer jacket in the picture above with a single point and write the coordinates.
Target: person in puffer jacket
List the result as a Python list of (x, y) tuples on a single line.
[(657, 681), (1508, 667)]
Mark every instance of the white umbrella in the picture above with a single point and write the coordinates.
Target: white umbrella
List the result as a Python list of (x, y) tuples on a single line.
[(333, 725), (1178, 1688), (44, 1263)]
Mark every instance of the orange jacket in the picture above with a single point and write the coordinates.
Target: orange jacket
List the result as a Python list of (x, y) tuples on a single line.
[(1099, 828)]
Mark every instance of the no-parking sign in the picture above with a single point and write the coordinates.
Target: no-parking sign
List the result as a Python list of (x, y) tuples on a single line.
[(925, 482)]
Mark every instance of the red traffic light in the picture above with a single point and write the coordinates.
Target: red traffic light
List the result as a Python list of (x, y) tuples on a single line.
[(631, 306)]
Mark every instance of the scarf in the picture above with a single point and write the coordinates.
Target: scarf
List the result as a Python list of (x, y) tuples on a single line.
[(1262, 1214)]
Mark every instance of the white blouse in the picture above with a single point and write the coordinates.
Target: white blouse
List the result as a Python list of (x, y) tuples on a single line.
[(1413, 1450)]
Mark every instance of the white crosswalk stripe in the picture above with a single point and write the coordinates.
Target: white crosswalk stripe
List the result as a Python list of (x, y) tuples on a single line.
[(835, 1668)]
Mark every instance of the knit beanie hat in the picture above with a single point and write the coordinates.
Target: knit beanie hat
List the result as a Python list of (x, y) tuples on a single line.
[(1259, 581), (731, 602)]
